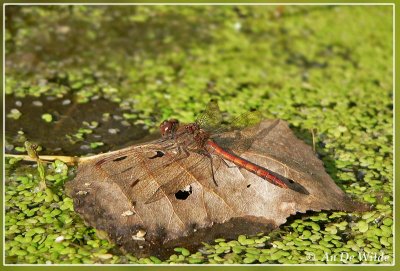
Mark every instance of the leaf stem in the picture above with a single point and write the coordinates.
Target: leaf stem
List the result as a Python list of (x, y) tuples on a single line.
[(70, 160)]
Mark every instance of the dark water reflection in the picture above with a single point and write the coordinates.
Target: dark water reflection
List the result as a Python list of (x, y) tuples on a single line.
[(68, 117)]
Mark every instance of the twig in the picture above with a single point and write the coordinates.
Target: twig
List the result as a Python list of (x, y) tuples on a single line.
[(70, 160)]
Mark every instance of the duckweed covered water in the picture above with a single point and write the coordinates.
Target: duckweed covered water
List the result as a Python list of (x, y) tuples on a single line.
[(325, 68)]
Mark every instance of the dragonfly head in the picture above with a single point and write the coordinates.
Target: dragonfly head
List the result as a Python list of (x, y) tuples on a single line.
[(169, 127)]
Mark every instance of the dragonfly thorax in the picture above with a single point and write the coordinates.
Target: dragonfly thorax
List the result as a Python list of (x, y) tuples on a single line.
[(192, 128), (201, 137)]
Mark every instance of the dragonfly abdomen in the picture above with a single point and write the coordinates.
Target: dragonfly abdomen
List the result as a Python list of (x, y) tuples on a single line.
[(249, 166)]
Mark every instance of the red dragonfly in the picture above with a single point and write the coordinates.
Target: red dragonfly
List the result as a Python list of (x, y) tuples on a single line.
[(204, 137), (199, 137)]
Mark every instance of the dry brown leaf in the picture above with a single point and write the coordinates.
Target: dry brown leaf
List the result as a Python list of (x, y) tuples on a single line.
[(132, 191)]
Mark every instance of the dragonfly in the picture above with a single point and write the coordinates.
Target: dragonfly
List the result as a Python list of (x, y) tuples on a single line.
[(205, 137), (199, 137)]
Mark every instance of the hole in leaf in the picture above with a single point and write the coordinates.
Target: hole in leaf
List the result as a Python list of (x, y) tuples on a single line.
[(158, 154), (184, 193), (120, 158)]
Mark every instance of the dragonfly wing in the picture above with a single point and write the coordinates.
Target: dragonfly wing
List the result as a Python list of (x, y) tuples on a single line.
[(243, 121), (247, 119), (211, 118), (240, 141)]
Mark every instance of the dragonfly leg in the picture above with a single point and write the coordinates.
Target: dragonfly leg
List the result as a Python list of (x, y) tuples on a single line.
[(180, 157), (212, 168), (223, 160), (206, 153)]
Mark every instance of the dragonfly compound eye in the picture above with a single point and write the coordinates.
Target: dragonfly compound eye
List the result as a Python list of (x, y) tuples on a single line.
[(168, 127)]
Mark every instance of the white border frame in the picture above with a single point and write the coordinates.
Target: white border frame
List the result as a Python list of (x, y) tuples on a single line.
[(208, 4)]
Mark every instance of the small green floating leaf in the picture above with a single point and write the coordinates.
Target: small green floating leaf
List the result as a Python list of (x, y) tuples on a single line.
[(306, 234), (249, 260), (129, 116), (47, 117), (386, 230), (368, 215), (237, 249), (362, 226), (185, 252), (20, 252), (155, 260), (182, 250), (314, 226), (95, 145), (369, 198), (331, 229), (14, 114), (20, 149), (195, 260), (277, 255), (387, 221), (242, 239)]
